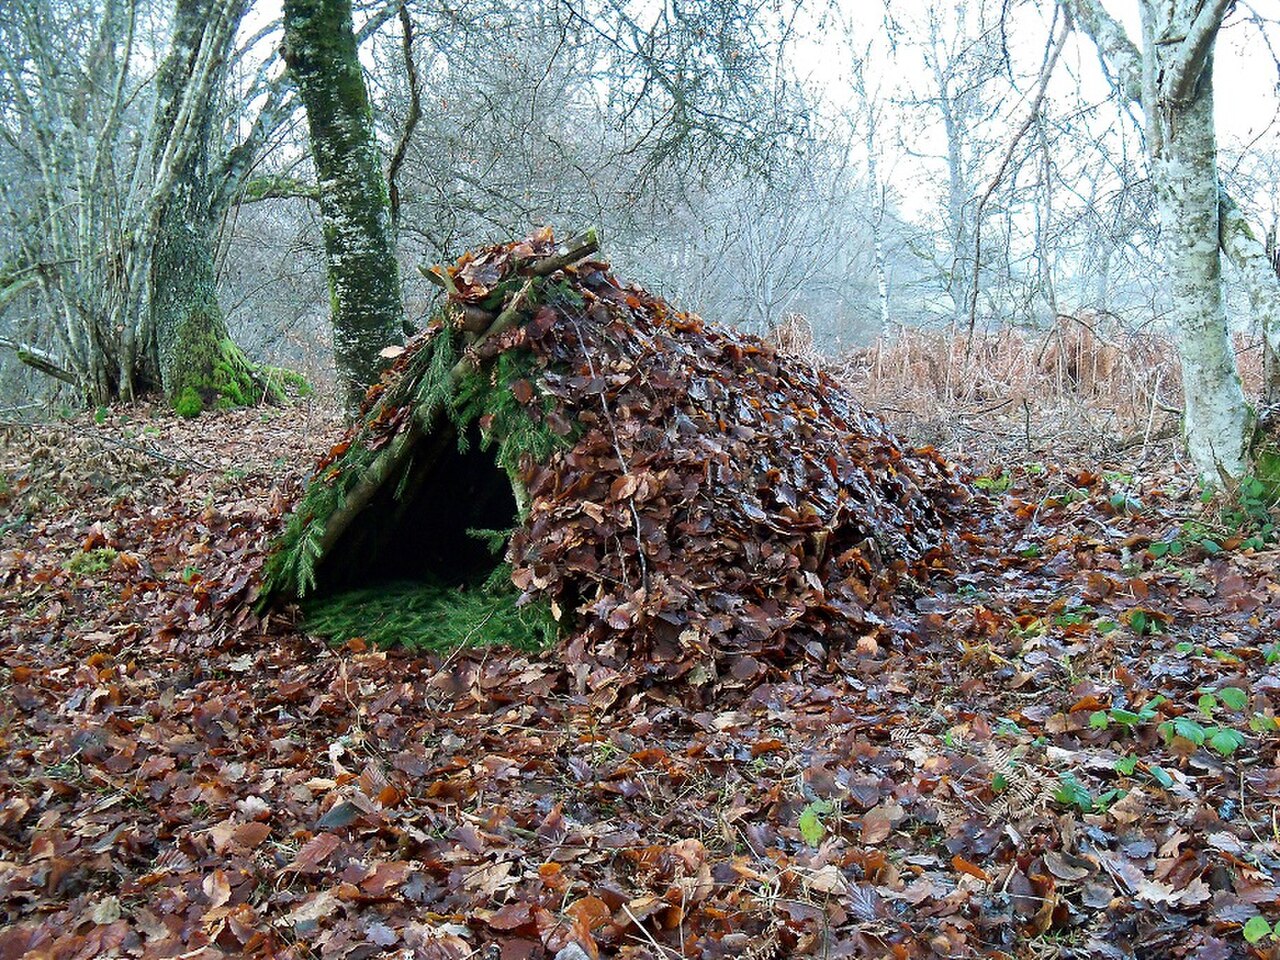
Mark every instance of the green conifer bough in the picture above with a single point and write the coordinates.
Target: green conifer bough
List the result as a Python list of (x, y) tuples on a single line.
[(364, 282)]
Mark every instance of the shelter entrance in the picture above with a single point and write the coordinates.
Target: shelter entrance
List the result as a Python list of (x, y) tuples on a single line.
[(417, 529)]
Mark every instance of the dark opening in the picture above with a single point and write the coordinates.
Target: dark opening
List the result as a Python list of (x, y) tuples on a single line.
[(422, 534)]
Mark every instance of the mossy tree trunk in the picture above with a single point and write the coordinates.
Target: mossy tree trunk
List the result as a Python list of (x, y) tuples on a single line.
[(197, 361), (364, 282)]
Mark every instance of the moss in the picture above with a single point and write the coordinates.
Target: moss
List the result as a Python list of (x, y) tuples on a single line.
[(232, 379), (189, 403), (90, 562), (287, 383)]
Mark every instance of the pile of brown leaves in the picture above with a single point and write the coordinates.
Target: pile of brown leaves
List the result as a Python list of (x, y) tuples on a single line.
[(720, 502)]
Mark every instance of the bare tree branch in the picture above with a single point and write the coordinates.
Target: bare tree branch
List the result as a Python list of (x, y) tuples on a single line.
[(40, 360), (1046, 71), (1194, 50), (1121, 58)]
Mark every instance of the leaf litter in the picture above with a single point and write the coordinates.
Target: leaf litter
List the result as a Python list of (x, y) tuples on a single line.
[(1064, 746)]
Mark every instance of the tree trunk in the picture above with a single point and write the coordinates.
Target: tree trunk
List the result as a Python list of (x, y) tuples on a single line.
[(1184, 153), (1171, 76), (364, 281), (1259, 268), (197, 360)]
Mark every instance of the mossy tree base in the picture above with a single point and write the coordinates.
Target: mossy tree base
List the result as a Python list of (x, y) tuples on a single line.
[(216, 374)]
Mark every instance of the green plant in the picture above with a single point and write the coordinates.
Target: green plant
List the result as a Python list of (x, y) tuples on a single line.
[(1121, 502), (1263, 723), (1127, 719), (435, 616), (1073, 616), (189, 403), (999, 484), (812, 827), (1072, 793), (1222, 740), (1257, 929), (90, 562), (1147, 622)]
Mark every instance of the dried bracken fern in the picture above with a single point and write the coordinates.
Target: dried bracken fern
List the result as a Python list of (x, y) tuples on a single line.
[(793, 336), (1026, 790)]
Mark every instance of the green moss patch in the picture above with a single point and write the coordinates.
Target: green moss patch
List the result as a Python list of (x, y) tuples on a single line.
[(433, 616), (232, 381), (189, 403), (87, 563)]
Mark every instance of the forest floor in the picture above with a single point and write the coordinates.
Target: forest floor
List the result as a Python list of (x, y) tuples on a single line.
[(1068, 751)]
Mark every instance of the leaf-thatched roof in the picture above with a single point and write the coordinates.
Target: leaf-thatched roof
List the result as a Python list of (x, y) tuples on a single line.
[(682, 487)]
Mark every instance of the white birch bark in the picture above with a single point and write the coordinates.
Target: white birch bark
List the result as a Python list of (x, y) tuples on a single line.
[(1171, 77), (1257, 272), (875, 196)]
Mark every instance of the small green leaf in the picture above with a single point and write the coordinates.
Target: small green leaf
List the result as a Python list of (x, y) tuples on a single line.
[(1210, 546), (1261, 723), (1108, 798), (1233, 697), (1207, 704), (1099, 720), (1226, 741), (1158, 550), (1072, 793), (811, 826), (1126, 765), (1188, 729), (999, 783), (1126, 718), (1256, 929), (1160, 776), (1106, 626)]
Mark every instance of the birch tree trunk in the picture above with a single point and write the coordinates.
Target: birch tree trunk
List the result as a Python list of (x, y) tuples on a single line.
[(1258, 267), (364, 282), (875, 195), (1171, 78), (1184, 156)]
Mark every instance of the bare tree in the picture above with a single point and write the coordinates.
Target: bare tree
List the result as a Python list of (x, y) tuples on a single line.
[(122, 192)]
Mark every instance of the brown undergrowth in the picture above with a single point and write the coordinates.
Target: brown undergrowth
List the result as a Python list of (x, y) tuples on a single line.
[(1084, 387)]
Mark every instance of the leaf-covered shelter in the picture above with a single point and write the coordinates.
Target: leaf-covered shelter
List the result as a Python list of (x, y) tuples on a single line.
[(614, 471)]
